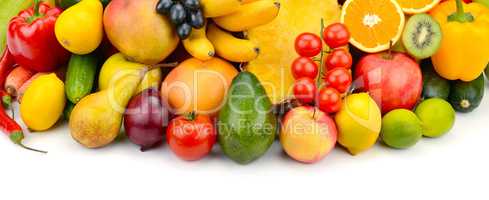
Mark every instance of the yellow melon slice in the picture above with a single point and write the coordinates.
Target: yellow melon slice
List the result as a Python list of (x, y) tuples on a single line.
[(276, 42)]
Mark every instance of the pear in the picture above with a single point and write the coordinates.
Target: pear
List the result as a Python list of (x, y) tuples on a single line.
[(96, 120), (117, 65), (79, 29)]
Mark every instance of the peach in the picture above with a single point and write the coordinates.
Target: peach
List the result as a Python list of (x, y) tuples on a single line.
[(198, 86), (308, 134), (137, 31)]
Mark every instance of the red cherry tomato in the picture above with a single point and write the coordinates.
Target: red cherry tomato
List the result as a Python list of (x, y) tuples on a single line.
[(304, 67), (305, 90), (329, 100), (338, 58), (308, 45), (338, 78), (336, 35), (191, 137)]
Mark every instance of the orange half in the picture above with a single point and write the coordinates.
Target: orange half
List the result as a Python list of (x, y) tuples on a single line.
[(373, 24), (417, 6)]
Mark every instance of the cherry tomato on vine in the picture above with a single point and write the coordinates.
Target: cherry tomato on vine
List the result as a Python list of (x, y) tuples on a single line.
[(191, 137), (338, 58), (336, 35), (329, 100), (305, 90), (304, 67), (308, 45), (338, 78)]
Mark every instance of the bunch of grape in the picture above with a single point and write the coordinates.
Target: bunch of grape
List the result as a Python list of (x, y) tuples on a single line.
[(184, 14)]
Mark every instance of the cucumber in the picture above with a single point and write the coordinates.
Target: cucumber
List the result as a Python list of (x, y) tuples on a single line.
[(67, 110), (466, 96), (434, 86), (80, 76), (68, 3)]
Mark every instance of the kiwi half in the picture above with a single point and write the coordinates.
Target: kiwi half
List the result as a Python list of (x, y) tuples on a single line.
[(422, 36)]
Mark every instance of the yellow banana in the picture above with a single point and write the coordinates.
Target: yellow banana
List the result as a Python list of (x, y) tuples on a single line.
[(198, 45), (248, 1), (216, 8), (232, 48), (249, 15)]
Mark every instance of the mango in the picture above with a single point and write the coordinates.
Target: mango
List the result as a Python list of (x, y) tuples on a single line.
[(137, 31)]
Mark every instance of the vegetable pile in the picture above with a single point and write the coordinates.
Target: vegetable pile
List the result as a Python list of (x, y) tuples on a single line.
[(195, 74)]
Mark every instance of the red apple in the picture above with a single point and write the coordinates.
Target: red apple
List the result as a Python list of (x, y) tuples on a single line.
[(307, 134), (393, 80)]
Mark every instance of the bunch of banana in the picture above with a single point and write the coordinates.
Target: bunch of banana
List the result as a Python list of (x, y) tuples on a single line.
[(249, 15), (234, 16)]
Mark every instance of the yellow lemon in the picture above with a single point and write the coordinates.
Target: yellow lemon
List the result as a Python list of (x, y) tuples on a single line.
[(43, 102), (359, 122)]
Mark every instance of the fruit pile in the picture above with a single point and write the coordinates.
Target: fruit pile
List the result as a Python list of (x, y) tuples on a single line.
[(193, 73)]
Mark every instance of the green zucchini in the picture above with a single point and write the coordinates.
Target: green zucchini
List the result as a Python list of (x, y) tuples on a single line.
[(434, 86), (487, 72), (466, 96), (80, 76)]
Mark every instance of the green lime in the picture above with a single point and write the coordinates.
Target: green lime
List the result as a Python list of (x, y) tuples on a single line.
[(437, 116), (401, 129)]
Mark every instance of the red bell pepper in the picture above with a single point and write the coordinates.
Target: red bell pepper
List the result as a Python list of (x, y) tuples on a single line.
[(31, 38)]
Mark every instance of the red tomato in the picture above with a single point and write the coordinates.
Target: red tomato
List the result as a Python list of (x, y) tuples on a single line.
[(305, 90), (308, 45), (304, 67), (329, 100), (336, 35), (191, 137), (338, 78), (338, 58)]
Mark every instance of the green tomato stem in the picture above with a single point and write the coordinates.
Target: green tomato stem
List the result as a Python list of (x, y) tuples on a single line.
[(320, 74)]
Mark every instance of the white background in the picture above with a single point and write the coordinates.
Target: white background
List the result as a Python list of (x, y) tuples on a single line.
[(453, 166)]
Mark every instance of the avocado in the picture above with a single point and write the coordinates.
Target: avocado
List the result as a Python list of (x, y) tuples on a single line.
[(466, 96), (246, 122), (434, 86)]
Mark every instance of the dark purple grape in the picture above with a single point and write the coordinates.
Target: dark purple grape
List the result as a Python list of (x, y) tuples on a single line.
[(183, 30), (196, 19), (164, 6), (191, 4), (177, 14)]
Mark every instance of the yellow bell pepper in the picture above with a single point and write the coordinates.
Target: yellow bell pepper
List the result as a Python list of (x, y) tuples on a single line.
[(464, 50)]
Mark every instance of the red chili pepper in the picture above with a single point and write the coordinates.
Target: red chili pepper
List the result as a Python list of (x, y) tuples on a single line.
[(12, 129), (6, 65), (31, 38), (6, 99)]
